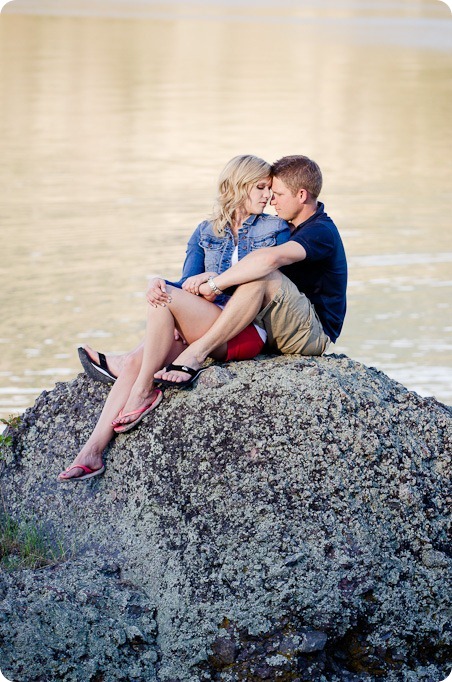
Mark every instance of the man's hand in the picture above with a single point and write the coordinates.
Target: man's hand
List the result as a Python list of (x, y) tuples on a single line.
[(156, 293), (192, 284)]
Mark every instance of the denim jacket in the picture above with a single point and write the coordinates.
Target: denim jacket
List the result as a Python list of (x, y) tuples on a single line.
[(207, 252)]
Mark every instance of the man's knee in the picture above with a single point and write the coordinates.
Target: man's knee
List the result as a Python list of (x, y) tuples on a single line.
[(263, 289), (272, 285), (269, 282)]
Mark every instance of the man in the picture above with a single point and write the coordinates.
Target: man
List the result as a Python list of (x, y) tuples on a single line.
[(295, 291)]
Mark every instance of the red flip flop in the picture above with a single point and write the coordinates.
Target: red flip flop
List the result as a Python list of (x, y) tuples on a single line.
[(142, 412), (89, 473)]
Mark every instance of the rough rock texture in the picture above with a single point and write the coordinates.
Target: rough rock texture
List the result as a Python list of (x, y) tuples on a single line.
[(73, 622), (285, 519)]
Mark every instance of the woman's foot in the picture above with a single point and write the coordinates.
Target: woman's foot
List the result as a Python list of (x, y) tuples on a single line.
[(84, 465), (187, 359), (137, 407), (113, 363)]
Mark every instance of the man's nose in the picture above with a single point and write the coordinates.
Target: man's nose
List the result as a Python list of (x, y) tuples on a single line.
[(272, 199)]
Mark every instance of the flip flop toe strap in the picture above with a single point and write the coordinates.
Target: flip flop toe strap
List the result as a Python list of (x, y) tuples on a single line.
[(86, 469), (182, 368), (103, 362)]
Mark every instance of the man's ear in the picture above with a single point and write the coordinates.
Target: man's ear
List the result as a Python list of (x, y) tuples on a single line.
[(303, 195)]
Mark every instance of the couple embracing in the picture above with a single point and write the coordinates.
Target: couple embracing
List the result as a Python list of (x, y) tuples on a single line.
[(251, 283)]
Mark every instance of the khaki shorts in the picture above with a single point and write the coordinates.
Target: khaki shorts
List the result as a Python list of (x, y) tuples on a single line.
[(291, 322)]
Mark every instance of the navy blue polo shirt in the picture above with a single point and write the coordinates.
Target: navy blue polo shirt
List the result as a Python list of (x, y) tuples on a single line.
[(322, 276)]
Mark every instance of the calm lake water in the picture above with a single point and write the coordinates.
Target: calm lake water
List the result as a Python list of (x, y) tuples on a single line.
[(116, 118)]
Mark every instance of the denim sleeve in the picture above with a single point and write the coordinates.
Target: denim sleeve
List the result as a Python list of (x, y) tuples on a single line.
[(194, 259), (283, 234)]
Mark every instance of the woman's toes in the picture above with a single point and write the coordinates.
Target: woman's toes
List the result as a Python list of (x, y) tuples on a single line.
[(93, 354)]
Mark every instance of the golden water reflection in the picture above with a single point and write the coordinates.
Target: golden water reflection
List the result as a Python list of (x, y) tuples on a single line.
[(113, 132)]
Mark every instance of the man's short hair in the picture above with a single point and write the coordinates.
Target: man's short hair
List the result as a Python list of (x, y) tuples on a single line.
[(298, 172)]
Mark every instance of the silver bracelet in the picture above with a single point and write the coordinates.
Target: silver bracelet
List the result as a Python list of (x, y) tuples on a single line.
[(214, 287)]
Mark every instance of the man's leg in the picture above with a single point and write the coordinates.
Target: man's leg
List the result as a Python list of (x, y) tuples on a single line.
[(292, 322), (240, 311)]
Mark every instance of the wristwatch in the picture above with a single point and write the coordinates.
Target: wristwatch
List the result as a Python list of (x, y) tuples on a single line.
[(214, 287)]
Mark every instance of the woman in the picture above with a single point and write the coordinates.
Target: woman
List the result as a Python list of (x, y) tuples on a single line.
[(238, 226)]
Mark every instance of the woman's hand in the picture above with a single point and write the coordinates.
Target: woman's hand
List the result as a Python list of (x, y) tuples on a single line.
[(192, 284), (206, 292), (156, 293), (178, 336)]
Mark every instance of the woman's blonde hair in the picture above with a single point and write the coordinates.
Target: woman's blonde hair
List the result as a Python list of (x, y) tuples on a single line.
[(234, 184)]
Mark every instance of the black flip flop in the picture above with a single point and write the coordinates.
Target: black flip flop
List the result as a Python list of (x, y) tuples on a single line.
[(96, 370), (194, 374)]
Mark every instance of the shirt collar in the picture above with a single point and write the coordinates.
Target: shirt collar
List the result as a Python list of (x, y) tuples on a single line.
[(248, 222), (320, 210), (251, 219)]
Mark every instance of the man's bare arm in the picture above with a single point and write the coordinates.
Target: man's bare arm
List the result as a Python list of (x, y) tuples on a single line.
[(258, 264)]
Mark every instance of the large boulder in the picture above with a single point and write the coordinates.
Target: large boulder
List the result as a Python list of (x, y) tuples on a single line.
[(285, 519)]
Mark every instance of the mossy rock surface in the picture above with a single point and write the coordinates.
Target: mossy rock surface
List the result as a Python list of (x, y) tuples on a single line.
[(286, 518)]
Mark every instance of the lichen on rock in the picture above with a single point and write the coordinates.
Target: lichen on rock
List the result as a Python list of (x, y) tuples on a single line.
[(78, 621), (286, 518)]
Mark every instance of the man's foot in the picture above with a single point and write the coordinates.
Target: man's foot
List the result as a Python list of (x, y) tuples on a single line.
[(80, 465), (136, 408)]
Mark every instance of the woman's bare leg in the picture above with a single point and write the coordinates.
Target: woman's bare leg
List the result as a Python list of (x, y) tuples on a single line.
[(195, 316), (135, 380), (115, 363), (91, 453), (240, 311)]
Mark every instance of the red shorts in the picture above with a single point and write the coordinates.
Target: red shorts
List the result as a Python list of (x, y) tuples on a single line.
[(245, 345)]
